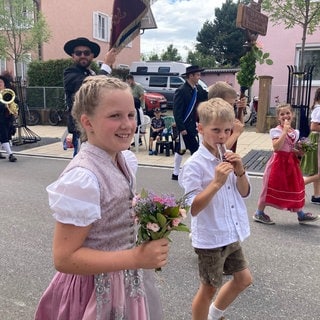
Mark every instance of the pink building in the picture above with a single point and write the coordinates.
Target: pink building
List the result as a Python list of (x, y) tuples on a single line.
[(284, 46), (71, 19)]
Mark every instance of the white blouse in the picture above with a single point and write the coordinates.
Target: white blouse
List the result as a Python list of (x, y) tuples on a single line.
[(75, 197)]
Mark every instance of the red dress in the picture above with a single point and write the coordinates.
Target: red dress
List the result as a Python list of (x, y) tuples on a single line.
[(283, 184)]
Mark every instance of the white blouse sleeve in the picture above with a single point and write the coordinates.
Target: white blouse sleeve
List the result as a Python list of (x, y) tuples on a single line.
[(275, 133), (131, 160), (315, 115), (75, 198)]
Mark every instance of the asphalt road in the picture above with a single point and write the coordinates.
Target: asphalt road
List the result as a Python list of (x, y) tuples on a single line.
[(284, 258)]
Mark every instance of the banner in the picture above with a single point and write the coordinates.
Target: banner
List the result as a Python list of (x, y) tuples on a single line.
[(126, 21)]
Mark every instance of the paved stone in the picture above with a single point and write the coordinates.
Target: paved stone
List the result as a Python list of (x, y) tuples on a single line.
[(249, 140)]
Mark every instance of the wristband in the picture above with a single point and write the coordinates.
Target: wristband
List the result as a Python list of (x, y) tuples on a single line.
[(241, 174)]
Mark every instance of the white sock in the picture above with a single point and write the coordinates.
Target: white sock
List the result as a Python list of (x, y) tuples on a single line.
[(177, 163), (6, 146), (214, 313)]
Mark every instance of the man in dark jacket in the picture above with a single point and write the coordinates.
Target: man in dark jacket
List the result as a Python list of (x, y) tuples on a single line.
[(82, 52), (185, 101)]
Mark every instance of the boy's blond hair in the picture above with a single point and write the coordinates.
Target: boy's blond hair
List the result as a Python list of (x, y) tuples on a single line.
[(222, 90), (215, 109)]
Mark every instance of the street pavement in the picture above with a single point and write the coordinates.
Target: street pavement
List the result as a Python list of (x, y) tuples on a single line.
[(249, 140), (284, 258)]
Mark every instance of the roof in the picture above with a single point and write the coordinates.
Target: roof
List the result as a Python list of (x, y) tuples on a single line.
[(222, 70)]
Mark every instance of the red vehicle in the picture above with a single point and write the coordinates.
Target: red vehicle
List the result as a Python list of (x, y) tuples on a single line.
[(154, 100)]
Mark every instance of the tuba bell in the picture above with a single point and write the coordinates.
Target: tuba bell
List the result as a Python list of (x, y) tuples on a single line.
[(7, 96)]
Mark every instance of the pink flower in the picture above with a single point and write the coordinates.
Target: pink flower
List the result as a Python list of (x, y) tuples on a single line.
[(176, 222), (259, 45), (183, 213), (153, 226)]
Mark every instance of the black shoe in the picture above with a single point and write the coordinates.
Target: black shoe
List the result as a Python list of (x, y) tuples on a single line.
[(315, 200), (1, 156), (174, 177), (12, 158), (155, 152)]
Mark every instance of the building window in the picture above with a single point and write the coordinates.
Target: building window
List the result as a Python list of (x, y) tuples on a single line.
[(311, 57), (101, 26), (22, 66), (3, 65)]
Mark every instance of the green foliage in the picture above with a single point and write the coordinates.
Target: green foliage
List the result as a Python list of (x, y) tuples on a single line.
[(197, 58), (221, 38), (171, 54), (247, 73), (261, 57), (50, 73), (154, 57), (24, 29), (304, 13)]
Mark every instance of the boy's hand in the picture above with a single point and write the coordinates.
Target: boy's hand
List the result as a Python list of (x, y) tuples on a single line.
[(235, 161), (222, 171)]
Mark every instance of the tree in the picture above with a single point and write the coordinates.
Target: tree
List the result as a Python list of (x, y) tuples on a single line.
[(221, 38), (23, 29), (171, 54), (197, 58), (305, 13)]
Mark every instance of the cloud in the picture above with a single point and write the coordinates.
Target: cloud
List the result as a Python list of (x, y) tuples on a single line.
[(178, 23)]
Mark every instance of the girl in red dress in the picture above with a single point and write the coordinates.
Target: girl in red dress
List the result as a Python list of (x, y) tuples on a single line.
[(283, 185)]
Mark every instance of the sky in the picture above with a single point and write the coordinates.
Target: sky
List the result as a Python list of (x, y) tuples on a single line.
[(178, 22)]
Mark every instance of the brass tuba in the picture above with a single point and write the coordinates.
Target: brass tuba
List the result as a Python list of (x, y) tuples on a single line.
[(7, 97)]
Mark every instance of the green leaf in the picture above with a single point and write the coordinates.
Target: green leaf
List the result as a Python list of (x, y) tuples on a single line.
[(144, 193), (181, 227), (161, 219), (269, 62), (172, 212)]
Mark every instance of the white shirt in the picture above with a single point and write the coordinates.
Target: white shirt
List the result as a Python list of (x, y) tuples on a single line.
[(76, 185), (315, 114), (225, 219)]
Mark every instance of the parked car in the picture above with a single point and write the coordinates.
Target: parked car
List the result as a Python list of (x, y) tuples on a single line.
[(154, 100), (162, 77)]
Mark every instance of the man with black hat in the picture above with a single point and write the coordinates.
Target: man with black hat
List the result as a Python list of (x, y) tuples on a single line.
[(82, 51), (185, 101)]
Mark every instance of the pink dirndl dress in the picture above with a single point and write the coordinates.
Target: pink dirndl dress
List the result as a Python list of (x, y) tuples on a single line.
[(283, 185), (92, 190)]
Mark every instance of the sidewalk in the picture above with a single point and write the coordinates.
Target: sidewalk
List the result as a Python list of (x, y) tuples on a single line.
[(249, 140)]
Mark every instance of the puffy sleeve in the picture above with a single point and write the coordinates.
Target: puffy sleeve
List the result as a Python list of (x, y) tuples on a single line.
[(275, 133), (75, 198), (315, 115), (131, 160)]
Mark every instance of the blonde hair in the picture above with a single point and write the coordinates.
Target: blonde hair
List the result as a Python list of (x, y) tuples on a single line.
[(215, 109), (87, 97), (222, 90), (283, 106)]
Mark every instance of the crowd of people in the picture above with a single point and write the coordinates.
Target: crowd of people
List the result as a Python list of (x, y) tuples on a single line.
[(101, 272)]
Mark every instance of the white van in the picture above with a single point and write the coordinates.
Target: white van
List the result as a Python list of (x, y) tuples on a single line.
[(160, 76)]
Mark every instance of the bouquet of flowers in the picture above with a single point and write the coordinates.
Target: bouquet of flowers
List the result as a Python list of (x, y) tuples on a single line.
[(159, 215), (305, 145)]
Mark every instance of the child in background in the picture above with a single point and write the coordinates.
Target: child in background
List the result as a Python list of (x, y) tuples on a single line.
[(224, 91), (219, 219), (310, 162), (99, 275), (156, 129), (283, 185)]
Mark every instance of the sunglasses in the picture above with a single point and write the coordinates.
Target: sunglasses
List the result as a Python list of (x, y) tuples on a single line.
[(78, 53)]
